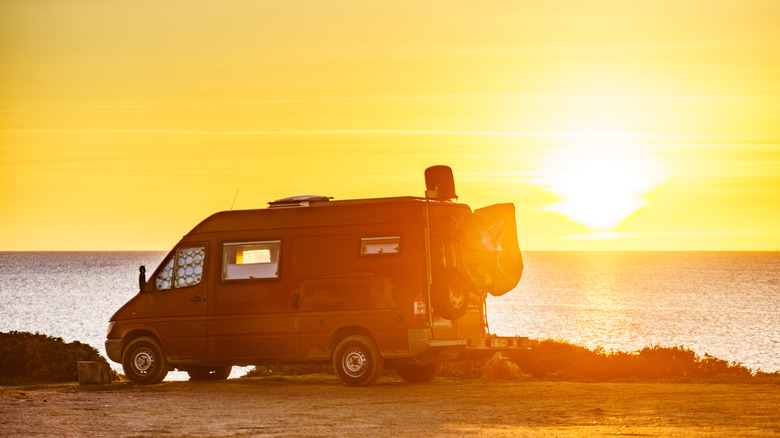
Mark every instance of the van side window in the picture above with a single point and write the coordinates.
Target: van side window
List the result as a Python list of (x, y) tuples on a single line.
[(165, 279), (380, 245), (250, 260), (183, 270), (189, 266)]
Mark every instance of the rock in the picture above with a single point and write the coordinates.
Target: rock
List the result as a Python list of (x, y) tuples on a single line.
[(500, 367), (93, 373)]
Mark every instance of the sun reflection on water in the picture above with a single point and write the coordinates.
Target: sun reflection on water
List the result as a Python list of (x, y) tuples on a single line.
[(718, 303)]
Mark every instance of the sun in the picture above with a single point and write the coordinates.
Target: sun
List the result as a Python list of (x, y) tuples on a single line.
[(599, 179)]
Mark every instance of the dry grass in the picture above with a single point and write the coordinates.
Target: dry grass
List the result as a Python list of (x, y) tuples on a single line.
[(558, 360), (35, 358)]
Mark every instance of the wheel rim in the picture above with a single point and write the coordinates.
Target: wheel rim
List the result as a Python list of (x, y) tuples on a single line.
[(355, 362), (143, 361)]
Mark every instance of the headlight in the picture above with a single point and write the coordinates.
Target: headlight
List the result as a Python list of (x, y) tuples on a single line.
[(110, 327)]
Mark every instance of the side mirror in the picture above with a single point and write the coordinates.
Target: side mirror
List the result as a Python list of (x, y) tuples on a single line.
[(142, 286)]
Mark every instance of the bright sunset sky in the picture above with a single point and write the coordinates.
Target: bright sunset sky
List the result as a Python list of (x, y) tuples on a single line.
[(609, 124)]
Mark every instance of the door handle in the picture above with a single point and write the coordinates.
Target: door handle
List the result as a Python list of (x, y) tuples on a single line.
[(197, 299)]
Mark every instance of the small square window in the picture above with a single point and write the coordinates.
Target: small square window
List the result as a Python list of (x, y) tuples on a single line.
[(380, 245)]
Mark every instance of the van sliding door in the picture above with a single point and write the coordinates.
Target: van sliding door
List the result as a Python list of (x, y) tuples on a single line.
[(250, 309)]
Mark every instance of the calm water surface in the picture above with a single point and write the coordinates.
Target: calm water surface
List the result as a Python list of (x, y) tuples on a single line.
[(723, 303)]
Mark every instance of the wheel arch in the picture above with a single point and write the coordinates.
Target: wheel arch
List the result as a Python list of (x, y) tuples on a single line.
[(139, 333), (344, 332)]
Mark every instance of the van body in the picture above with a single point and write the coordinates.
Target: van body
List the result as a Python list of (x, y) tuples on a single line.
[(363, 284)]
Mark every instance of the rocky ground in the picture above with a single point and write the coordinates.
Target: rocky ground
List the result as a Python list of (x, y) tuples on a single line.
[(318, 405)]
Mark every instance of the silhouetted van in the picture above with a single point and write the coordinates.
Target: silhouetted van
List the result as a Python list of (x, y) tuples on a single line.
[(362, 284)]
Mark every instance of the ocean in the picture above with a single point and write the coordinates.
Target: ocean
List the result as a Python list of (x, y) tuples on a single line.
[(726, 304)]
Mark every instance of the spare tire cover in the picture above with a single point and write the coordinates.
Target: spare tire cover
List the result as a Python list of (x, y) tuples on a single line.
[(491, 258)]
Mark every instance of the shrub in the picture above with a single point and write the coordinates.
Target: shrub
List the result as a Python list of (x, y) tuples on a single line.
[(465, 369), (555, 359), (558, 360), (36, 358)]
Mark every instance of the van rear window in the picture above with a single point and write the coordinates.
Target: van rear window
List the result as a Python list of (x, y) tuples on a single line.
[(250, 260), (380, 245)]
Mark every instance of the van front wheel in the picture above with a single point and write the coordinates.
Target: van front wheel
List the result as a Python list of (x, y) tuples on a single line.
[(144, 361), (357, 362)]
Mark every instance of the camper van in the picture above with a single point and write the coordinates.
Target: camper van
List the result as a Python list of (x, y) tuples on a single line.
[(362, 284)]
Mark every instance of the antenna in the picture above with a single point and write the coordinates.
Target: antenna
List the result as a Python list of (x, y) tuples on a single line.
[(234, 199)]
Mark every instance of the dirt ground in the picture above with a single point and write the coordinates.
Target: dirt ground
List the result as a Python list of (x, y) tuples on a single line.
[(317, 405)]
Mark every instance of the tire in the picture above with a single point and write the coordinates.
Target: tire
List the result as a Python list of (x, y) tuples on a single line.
[(450, 296), (144, 361), (418, 373), (210, 373), (357, 362)]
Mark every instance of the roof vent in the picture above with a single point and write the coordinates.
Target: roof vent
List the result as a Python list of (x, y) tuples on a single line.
[(298, 201)]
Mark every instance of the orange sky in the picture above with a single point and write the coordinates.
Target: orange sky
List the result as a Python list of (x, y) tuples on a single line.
[(610, 125)]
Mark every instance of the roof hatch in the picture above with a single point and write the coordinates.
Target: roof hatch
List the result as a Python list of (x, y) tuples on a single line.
[(298, 201)]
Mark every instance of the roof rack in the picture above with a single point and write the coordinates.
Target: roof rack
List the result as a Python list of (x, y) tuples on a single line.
[(298, 201)]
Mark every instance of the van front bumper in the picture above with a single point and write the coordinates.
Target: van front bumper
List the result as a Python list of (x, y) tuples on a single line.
[(114, 349)]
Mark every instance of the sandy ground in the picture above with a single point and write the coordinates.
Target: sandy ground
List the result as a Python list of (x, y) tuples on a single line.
[(318, 405)]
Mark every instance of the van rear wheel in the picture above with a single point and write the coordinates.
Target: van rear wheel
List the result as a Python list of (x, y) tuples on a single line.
[(144, 361), (357, 362), (210, 373)]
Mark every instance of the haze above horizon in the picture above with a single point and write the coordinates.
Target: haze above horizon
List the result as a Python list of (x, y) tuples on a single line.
[(610, 125)]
